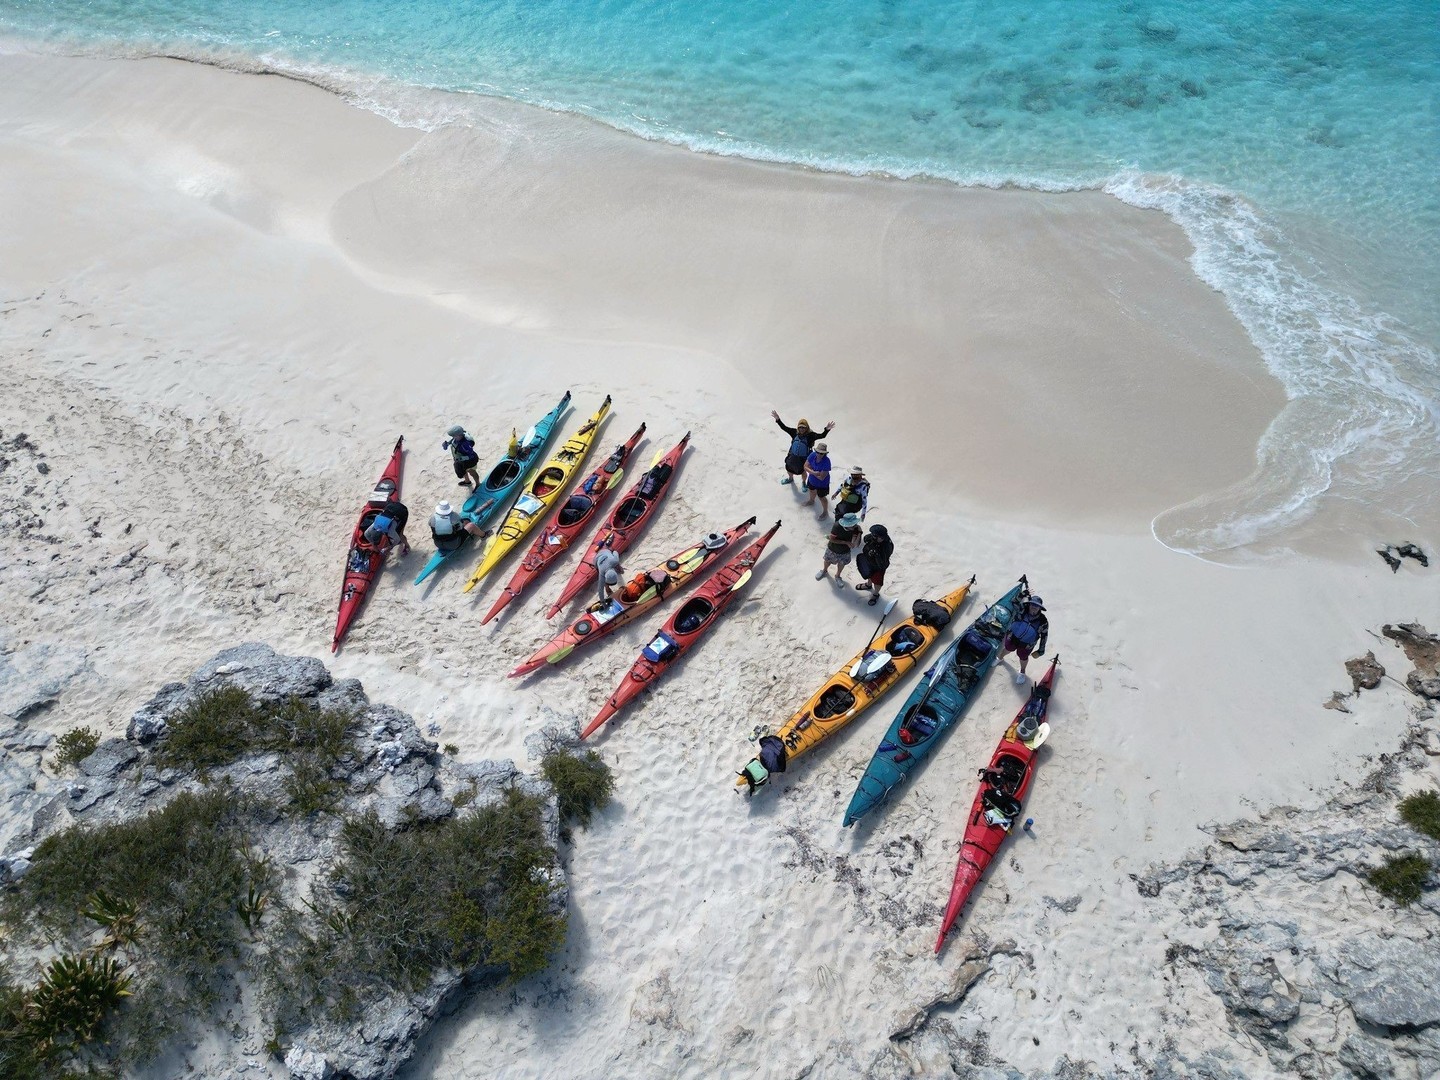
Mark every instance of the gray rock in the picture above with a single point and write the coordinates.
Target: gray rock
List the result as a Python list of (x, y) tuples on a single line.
[(1390, 982), (15, 865), (263, 673), (27, 740), (1425, 686), (1366, 1058), (1365, 672), (306, 1064), (151, 720), (110, 757)]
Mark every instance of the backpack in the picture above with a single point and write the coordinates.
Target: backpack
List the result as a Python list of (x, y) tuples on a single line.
[(929, 613), (799, 447), (1023, 633)]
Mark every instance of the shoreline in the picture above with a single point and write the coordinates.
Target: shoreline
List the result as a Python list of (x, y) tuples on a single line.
[(226, 297)]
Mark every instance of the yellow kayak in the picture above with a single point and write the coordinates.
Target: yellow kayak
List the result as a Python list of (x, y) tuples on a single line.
[(539, 495), (861, 682)]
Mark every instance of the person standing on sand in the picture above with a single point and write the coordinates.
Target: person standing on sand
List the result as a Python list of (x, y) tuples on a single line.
[(801, 440), (463, 455), (873, 561), (607, 571), (839, 546), (1027, 634), (854, 494), (817, 478)]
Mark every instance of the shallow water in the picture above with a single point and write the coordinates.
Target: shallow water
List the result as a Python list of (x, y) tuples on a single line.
[(1297, 143)]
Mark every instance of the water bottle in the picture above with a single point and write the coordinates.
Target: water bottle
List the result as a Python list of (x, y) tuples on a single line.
[(1029, 821)]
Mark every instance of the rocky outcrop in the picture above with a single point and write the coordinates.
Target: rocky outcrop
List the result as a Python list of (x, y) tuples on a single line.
[(1307, 959), (391, 768), (1365, 672)]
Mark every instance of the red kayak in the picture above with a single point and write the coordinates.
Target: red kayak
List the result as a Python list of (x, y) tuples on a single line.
[(577, 513), (687, 626), (1001, 797), (626, 521), (636, 597), (362, 565)]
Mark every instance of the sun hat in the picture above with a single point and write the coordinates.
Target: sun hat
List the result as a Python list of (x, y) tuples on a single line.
[(455, 431), (850, 520), (1035, 601), (878, 530), (802, 422), (821, 446), (443, 509), (856, 470)]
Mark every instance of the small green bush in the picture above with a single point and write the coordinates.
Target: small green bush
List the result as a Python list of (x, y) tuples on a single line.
[(74, 997), (1401, 878), (75, 746), (213, 730), (221, 726), (583, 784), (1421, 812)]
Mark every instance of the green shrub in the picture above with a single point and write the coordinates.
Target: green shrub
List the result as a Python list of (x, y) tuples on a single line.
[(1421, 812), (182, 871), (583, 784), (213, 730), (75, 746), (222, 725), (1401, 878), (467, 891), (75, 995)]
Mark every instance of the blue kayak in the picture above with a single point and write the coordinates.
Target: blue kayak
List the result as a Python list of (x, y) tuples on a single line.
[(500, 485), (937, 704)]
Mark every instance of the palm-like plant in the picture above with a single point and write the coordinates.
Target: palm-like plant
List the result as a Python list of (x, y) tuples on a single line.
[(119, 917), (74, 997)]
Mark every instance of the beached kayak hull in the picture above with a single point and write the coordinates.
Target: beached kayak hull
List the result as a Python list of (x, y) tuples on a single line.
[(603, 618), (500, 484), (574, 518), (363, 563), (1015, 761), (843, 697), (630, 516), (541, 493), (691, 622), (934, 707)]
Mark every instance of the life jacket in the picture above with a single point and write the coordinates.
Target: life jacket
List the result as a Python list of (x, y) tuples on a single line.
[(1023, 632), (799, 447), (382, 521)]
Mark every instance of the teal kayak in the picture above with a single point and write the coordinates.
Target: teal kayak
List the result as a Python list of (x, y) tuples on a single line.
[(937, 704), (493, 495)]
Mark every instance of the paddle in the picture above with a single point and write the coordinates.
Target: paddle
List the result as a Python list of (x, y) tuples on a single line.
[(855, 672)]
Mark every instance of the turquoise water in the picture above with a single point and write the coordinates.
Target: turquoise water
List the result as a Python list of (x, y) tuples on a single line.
[(1298, 144)]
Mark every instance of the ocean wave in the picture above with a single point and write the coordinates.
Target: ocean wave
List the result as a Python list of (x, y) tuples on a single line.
[(1363, 408)]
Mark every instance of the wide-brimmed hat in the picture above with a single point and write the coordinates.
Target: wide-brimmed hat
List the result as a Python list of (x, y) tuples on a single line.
[(856, 470), (878, 530), (821, 446), (850, 520), (443, 509), (455, 431)]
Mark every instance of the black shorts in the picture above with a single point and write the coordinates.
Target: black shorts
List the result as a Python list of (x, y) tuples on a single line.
[(464, 465), (795, 466)]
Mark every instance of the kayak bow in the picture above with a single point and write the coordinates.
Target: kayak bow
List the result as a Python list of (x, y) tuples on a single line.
[(577, 513), (541, 494)]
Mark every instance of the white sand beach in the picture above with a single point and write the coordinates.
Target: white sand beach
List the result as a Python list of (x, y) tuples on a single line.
[(224, 295)]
